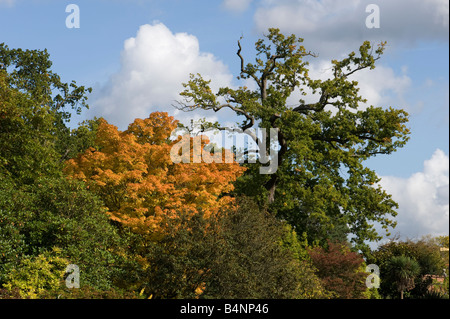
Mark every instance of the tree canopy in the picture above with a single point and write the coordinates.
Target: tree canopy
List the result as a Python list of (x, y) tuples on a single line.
[(133, 173), (321, 184), (140, 224)]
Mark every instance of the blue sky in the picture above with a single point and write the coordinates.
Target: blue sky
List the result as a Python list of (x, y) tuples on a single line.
[(136, 53)]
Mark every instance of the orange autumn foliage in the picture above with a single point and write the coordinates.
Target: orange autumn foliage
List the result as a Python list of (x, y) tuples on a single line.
[(134, 175)]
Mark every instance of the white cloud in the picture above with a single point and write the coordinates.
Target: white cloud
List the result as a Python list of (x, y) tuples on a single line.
[(423, 198), (154, 64), (441, 11), (381, 86), (236, 5), (332, 27)]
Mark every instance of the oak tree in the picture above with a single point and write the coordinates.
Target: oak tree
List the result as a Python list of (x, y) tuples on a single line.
[(322, 185)]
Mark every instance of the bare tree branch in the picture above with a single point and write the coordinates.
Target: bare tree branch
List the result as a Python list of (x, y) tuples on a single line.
[(243, 71)]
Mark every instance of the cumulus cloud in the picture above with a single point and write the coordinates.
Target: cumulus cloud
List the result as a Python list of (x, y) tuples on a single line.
[(334, 28), (381, 86), (330, 27), (154, 64), (423, 198)]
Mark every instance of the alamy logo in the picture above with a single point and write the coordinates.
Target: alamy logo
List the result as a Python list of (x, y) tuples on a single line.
[(250, 145), (373, 19), (373, 280), (73, 19), (73, 277)]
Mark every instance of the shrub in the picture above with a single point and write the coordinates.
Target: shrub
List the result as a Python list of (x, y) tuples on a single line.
[(340, 270), (37, 275)]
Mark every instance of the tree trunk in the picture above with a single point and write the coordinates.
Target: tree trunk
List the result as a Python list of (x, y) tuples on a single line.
[(271, 187), (272, 183), (271, 197)]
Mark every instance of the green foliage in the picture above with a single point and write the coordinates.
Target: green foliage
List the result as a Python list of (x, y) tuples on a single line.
[(36, 275), (402, 270), (177, 265), (442, 241), (311, 286), (88, 292), (33, 113), (30, 72), (59, 213), (26, 140), (321, 185), (39, 208), (255, 263), (435, 295), (427, 254), (372, 293), (14, 213), (67, 215), (78, 140), (297, 245), (261, 249), (238, 254), (419, 250)]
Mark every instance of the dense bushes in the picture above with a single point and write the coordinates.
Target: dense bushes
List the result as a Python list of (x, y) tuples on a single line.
[(407, 267)]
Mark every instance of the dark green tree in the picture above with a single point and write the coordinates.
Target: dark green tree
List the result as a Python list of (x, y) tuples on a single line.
[(14, 213), (237, 254), (257, 259), (425, 251), (60, 213), (402, 271), (40, 209), (321, 185), (35, 106)]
